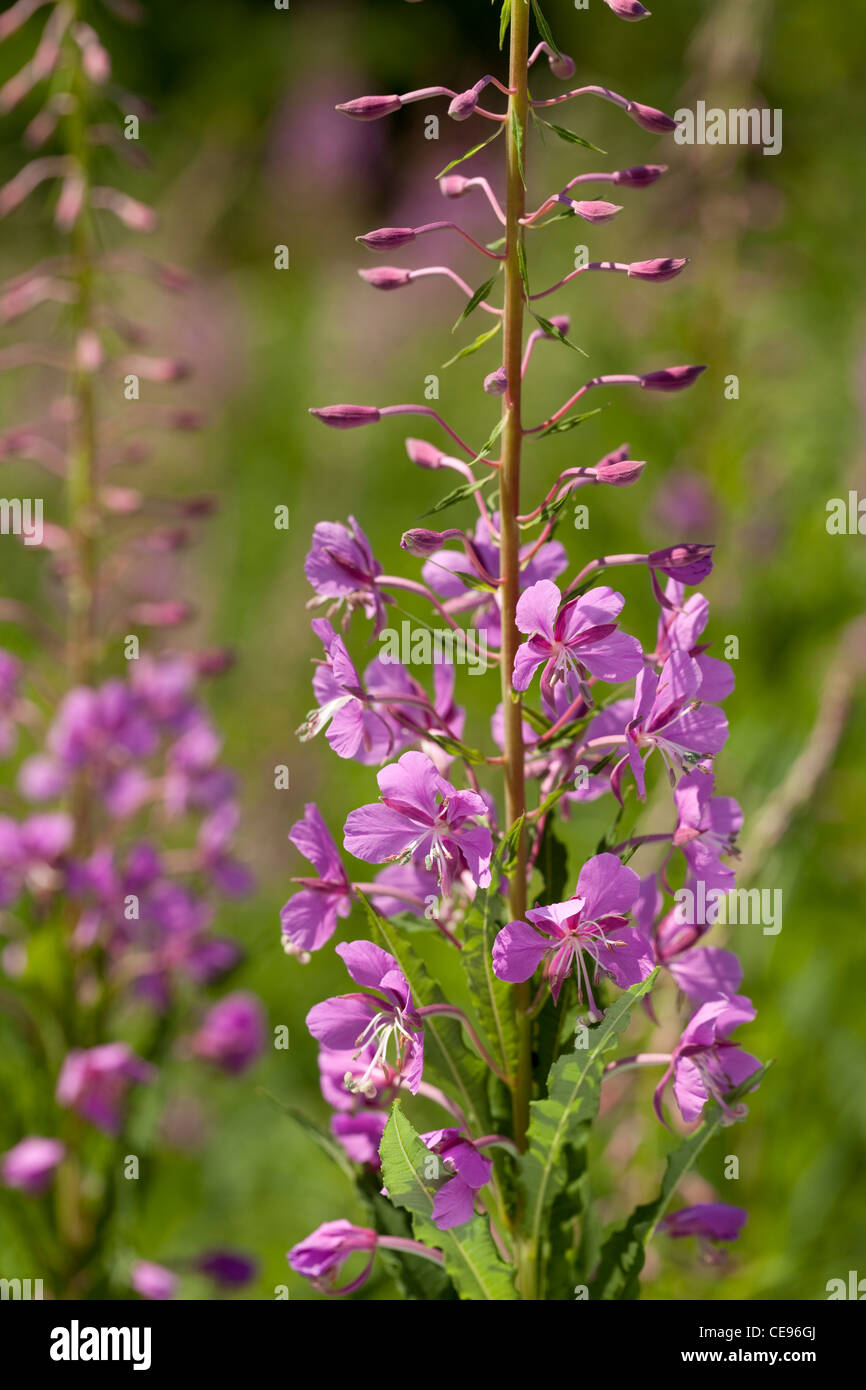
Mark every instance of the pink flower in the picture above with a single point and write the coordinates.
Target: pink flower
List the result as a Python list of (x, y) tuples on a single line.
[(705, 1064), (32, 1163), (573, 642), (94, 1082), (341, 566), (309, 919), (593, 921), (324, 1252), (669, 717), (423, 817)]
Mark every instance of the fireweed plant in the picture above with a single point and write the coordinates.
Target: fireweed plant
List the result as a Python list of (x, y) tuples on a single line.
[(116, 842), (555, 957)]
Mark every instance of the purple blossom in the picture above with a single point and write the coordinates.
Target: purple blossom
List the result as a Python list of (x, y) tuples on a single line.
[(383, 1014), (454, 1203), (32, 1163), (668, 716), (94, 1082), (309, 918), (705, 1064), (340, 566), (228, 1269), (680, 627), (711, 1221), (422, 817), (574, 641), (355, 729), (707, 827), (232, 1034), (324, 1252), (593, 921), (701, 972), (360, 1134)]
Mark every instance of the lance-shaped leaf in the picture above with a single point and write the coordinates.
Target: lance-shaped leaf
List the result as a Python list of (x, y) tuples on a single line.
[(570, 422), (471, 1260), (570, 137), (491, 998), (473, 347), (447, 1055), (457, 494), (624, 1251), (573, 1094), (469, 153), (481, 293)]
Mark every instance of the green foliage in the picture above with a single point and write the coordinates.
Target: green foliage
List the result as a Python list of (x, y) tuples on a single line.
[(471, 1259)]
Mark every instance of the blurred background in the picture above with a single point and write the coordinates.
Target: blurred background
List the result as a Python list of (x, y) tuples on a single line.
[(247, 154)]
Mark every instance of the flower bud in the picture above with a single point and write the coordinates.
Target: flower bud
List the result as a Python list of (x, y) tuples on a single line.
[(387, 238), (640, 176), (424, 454), (650, 118), (662, 268), (420, 541), (453, 186), (464, 104), (596, 210), (346, 417), (619, 472), (386, 277), (671, 378), (628, 9), (690, 562), (496, 384), (370, 108), (562, 66)]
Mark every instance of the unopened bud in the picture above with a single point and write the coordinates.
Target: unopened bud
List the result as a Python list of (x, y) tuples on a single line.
[(387, 238), (562, 66), (650, 118), (662, 268), (424, 454), (453, 185), (628, 9), (690, 562), (496, 384), (420, 541), (386, 277), (464, 104), (671, 378), (621, 473), (640, 176), (346, 417), (370, 108), (596, 210)]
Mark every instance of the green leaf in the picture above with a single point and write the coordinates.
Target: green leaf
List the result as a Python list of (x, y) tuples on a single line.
[(473, 347), (471, 1259), (496, 432), (505, 857), (544, 28), (450, 744), (448, 1057), (481, 293), (521, 264), (469, 153), (458, 494), (553, 332), (624, 1251), (573, 1094), (518, 134), (570, 422), (552, 864), (504, 21), (570, 137), (491, 998)]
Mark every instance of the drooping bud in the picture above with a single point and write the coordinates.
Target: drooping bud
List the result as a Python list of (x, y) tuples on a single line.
[(690, 562), (420, 541), (387, 238), (370, 108), (424, 454), (596, 210), (650, 118), (562, 66), (628, 9), (464, 104), (453, 185), (640, 176), (346, 417), (671, 378), (386, 277), (662, 268), (496, 384)]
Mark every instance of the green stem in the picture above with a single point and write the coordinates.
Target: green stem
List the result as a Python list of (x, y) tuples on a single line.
[(509, 496)]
